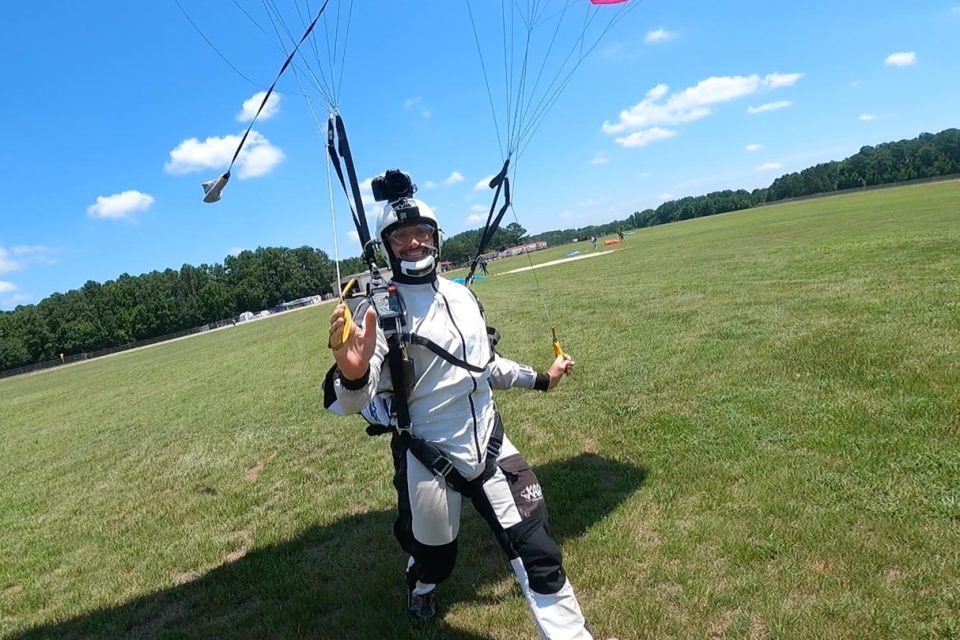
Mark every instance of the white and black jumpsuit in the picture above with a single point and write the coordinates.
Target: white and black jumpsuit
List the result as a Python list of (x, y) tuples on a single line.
[(452, 407)]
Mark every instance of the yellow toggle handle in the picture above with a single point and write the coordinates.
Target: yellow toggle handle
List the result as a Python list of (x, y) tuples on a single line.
[(347, 315), (557, 349)]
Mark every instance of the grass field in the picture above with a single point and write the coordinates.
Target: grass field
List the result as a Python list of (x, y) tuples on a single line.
[(761, 440)]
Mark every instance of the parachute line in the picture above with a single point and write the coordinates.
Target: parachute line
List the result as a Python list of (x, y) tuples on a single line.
[(532, 90), (214, 47), (533, 80), (486, 80)]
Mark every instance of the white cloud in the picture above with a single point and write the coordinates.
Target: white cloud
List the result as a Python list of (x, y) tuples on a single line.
[(593, 202), (454, 178), (23, 250), (411, 103), (429, 184), (615, 51), (902, 59), (692, 103), (7, 287), (478, 213), (663, 197), (120, 205), (753, 147), (867, 117), (257, 158), (600, 158), (484, 184), (644, 174), (366, 196), (249, 109), (770, 106), (777, 80), (20, 256), (659, 35), (645, 137), (658, 92), (236, 251), (354, 236), (769, 166), (6, 263)]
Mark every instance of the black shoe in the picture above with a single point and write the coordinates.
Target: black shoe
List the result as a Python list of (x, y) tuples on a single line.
[(421, 607)]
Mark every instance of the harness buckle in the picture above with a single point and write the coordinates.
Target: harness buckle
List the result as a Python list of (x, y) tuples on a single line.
[(445, 470)]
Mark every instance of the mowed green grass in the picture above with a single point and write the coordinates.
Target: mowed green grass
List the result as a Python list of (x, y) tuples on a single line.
[(761, 440)]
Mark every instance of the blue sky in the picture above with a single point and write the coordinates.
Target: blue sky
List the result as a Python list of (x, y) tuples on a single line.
[(114, 112)]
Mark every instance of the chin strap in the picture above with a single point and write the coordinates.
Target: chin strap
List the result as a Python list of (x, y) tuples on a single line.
[(419, 268)]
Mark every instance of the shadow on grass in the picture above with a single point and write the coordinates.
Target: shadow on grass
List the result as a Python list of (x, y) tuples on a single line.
[(344, 580)]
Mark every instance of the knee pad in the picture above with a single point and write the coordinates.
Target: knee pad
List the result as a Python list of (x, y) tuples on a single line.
[(433, 564), (542, 560)]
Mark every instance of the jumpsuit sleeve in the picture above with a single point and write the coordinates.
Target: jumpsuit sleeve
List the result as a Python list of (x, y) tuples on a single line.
[(506, 374), (353, 395)]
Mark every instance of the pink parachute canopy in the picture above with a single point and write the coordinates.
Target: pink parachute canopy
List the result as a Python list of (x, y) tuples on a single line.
[(607, 1)]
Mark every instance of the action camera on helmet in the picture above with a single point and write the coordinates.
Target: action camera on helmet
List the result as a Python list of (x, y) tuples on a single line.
[(392, 186)]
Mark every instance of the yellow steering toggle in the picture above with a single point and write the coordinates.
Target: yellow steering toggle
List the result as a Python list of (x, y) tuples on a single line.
[(557, 349)]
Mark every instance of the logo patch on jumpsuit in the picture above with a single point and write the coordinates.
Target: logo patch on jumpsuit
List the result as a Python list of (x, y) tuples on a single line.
[(532, 493)]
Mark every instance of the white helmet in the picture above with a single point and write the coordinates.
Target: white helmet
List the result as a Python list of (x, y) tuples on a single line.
[(404, 211)]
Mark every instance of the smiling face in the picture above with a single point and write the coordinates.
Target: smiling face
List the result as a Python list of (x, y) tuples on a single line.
[(412, 242)]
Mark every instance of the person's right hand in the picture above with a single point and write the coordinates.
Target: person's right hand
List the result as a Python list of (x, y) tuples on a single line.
[(353, 356)]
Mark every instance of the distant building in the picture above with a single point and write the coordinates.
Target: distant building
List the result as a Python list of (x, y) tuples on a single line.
[(524, 248), (296, 304), (362, 279)]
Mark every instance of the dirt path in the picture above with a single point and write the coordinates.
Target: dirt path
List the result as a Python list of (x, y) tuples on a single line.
[(553, 262)]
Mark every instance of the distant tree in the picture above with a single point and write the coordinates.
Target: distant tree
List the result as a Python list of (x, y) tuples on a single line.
[(515, 232)]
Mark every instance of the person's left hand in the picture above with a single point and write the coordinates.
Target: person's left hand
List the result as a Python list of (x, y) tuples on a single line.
[(562, 366)]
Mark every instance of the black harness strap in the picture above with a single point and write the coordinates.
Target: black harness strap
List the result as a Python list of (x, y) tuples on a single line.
[(430, 455), (395, 362), (443, 354), (337, 147)]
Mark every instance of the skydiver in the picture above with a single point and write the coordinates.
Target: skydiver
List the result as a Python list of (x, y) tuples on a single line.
[(452, 414)]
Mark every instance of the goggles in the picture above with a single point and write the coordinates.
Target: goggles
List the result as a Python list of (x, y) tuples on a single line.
[(408, 232)]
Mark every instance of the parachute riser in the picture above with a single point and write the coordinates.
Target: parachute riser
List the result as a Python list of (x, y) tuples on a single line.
[(500, 182), (338, 146)]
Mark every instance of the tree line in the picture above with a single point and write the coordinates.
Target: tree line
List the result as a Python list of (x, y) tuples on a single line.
[(926, 156), (462, 247), (134, 308)]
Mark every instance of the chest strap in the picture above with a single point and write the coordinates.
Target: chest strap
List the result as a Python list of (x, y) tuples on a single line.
[(443, 354)]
